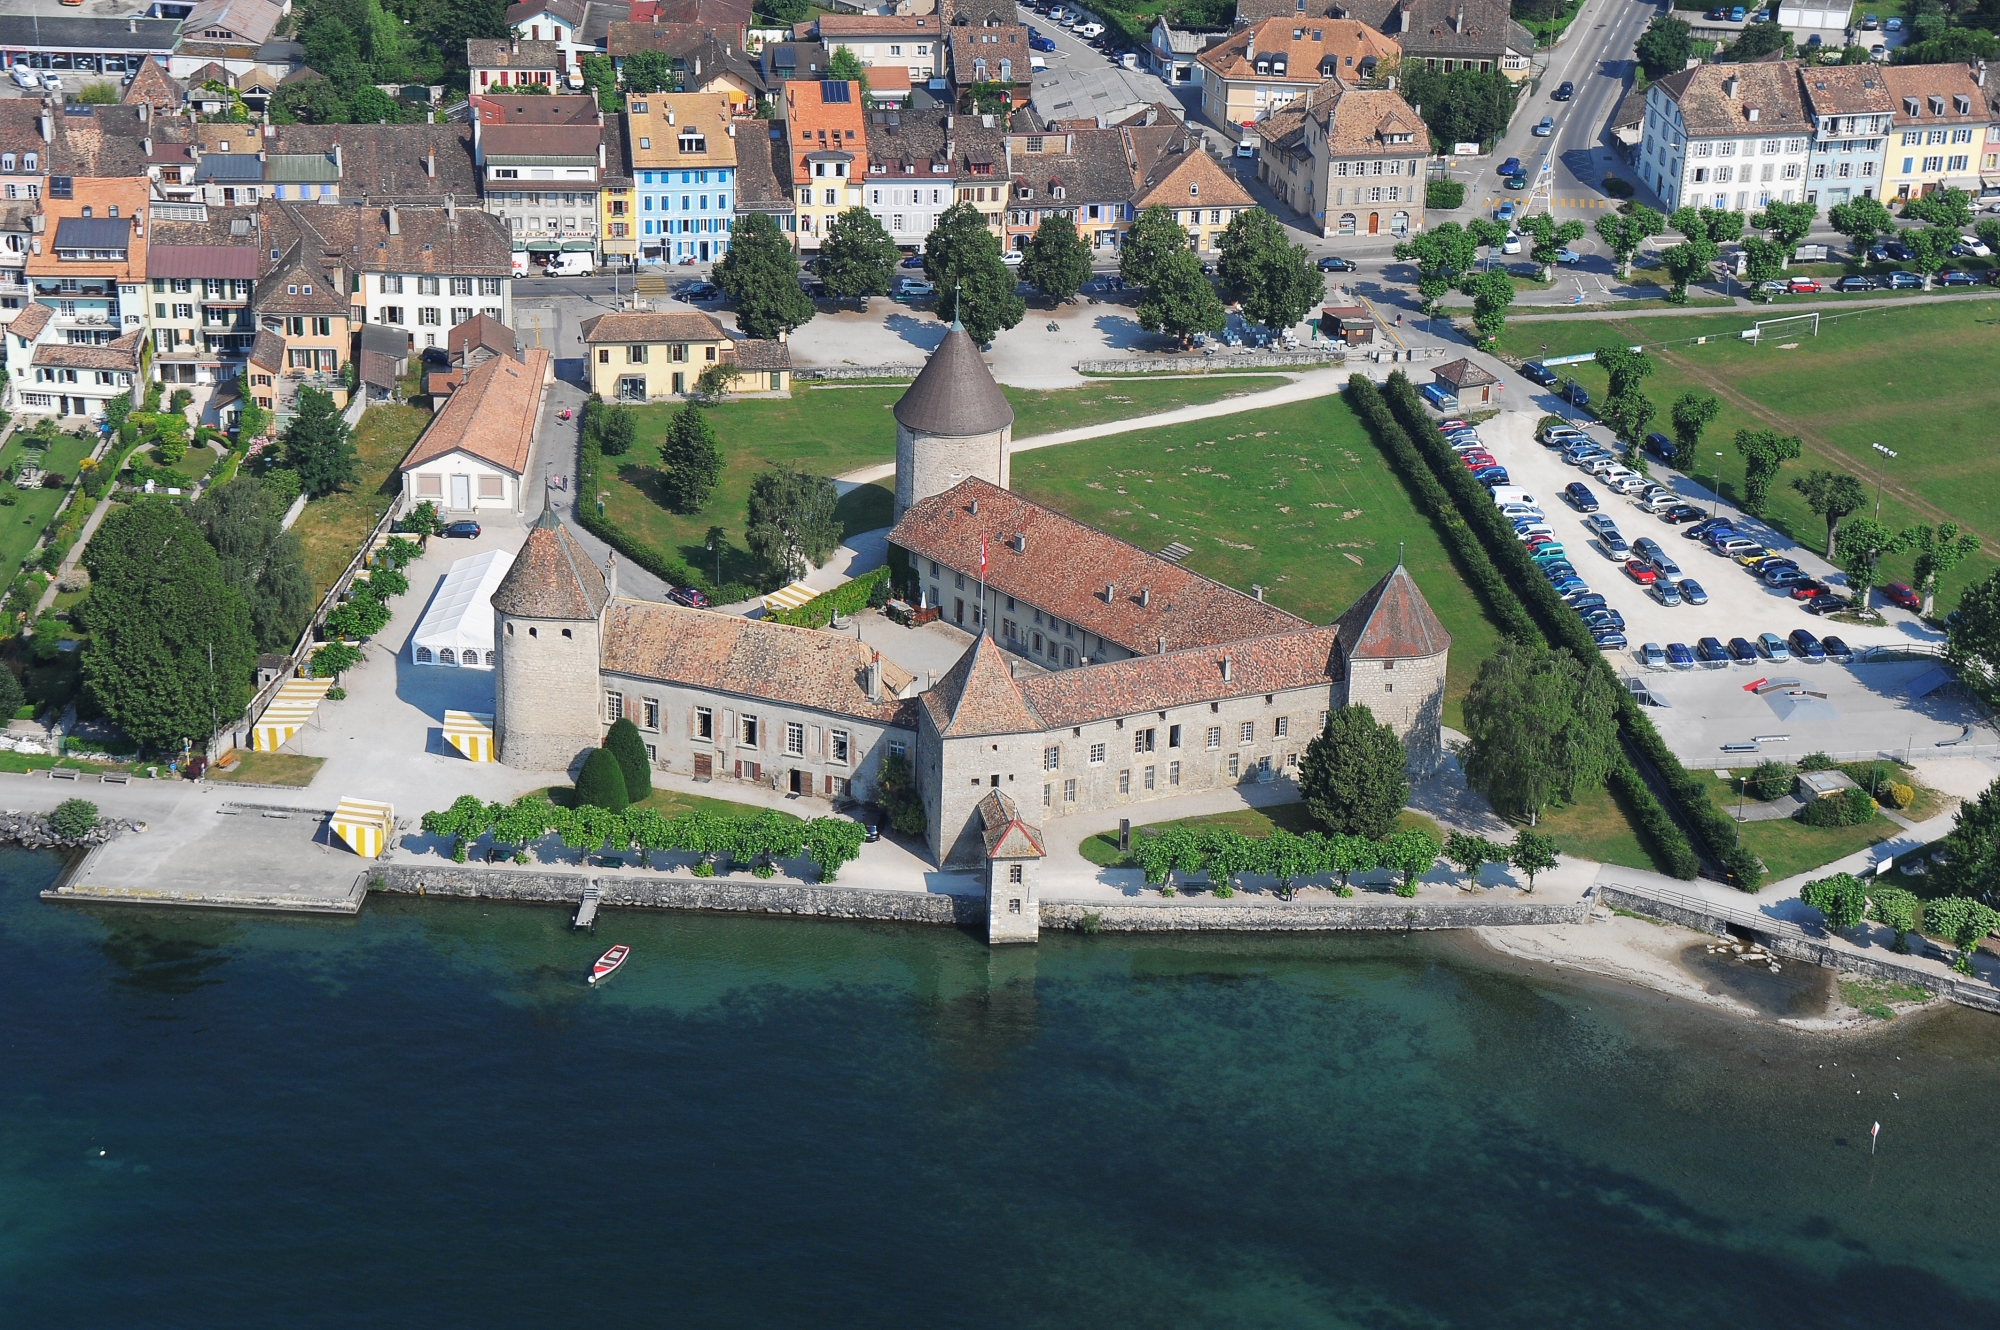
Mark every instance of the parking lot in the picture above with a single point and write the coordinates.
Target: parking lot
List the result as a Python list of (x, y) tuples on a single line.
[(1739, 605)]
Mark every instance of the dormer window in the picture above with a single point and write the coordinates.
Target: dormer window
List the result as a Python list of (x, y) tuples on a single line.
[(222, 146), (7, 162), (1961, 103), (692, 141), (86, 210), (1194, 190), (646, 144), (292, 289), (638, 108), (28, 161), (1059, 193), (306, 289)]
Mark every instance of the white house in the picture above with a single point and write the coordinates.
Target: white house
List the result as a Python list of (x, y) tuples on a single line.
[(473, 454), (1727, 136)]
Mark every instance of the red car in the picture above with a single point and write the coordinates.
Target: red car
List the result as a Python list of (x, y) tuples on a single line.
[(1807, 589), (1900, 594), (1534, 543), (1474, 461), (1641, 572), (1801, 286)]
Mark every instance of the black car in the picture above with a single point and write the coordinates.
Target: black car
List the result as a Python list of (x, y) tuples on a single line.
[(688, 596), (1579, 496), (1332, 264), (1660, 446), (1825, 603), (1711, 648), (462, 531), (1682, 512), (1702, 529), (1855, 284), (1742, 649), (1536, 372), (701, 291), (1573, 393), (1899, 251), (1957, 278), (1564, 93), (1584, 600)]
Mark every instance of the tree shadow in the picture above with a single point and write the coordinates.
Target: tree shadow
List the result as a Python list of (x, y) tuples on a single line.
[(865, 508), (924, 334)]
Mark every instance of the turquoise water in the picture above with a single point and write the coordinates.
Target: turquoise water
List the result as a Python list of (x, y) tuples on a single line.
[(422, 1116)]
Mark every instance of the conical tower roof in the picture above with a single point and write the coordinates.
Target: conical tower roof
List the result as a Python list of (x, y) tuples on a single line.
[(955, 396), (978, 695), (1392, 621), (553, 576)]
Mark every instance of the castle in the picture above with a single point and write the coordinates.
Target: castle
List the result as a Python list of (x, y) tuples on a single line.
[(1100, 675)]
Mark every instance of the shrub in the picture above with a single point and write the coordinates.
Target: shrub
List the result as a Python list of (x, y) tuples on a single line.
[(1771, 780), (73, 818), (1618, 189), (1815, 762), (1898, 795), (1849, 808), (601, 783), (626, 745), (1444, 194), (332, 659)]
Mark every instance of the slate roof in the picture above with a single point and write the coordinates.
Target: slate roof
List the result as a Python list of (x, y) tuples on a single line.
[(387, 163), (1709, 110), (1308, 657), (673, 39), (635, 328), (1392, 621), (552, 576), (707, 13), (228, 167), (500, 106), (491, 415), (93, 232), (164, 260), (542, 145), (954, 395), (1462, 373), (1006, 834), (569, 11), (1457, 28), (978, 695), (804, 667), (1101, 165), (65, 32), (1066, 567), (28, 324)]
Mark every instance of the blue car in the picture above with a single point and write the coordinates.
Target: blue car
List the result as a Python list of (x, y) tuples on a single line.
[(1512, 166), (1041, 44), (1571, 586), (1506, 211), (1585, 600), (1491, 475), (1679, 656), (1536, 372), (1579, 496), (1573, 393)]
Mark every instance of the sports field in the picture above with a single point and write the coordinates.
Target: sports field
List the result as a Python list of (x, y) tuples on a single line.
[(1296, 499), (1917, 378)]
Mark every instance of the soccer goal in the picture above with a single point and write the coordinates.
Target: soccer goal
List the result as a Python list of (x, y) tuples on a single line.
[(1764, 326)]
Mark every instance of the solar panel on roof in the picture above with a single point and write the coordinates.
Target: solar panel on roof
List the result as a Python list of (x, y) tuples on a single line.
[(831, 91)]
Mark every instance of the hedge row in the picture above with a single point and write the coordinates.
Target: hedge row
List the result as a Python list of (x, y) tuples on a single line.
[(1710, 824), (1476, 565), (848, 598), (671, 570)]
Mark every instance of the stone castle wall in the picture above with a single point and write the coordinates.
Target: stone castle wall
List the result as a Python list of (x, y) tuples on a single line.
[(547, 692), (928, 464)]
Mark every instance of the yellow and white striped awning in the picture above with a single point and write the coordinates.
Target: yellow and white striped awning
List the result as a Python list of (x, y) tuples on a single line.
[(471, 733), (290, 709), (365, 825), (789, 598)]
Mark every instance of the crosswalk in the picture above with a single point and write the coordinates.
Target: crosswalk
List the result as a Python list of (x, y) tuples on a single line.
[(1579, 203)]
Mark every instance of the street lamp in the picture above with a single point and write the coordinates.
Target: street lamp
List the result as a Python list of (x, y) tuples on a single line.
[(1715, 496), (1879, 476)]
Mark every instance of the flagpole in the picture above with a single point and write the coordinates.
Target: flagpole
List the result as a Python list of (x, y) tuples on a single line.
[(982, 584)]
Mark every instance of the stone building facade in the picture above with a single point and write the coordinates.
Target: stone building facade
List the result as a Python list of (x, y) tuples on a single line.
[(954, 422), (548, 621)]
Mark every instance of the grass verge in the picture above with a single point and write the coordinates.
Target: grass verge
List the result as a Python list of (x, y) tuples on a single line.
[(331, 528), (1872, 997), (665, 802), (1102, 849), (269, 769)]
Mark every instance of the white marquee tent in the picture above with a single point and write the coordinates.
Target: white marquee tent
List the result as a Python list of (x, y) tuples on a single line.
[(457, 627)]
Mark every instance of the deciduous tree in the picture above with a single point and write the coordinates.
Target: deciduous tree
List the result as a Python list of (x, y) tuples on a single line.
[(1788, 223), (1841, 898), (1154, 238), (1972, 639), (1180, 301), (1353, 776), (650, 71), (1549, 238), (1692, 413), (1764, 452), (1468, 853), (1859, 548), (792, 521), (1948, 208), (1833, 495), (1532, 852), (1970, 862), (856, 256), (243, 520), (1763, 260), (690, 460), (1940, 549), (1624, 232), (1411, 852), (974, 287), (1541, 728), (760, 275), (1058, 260), (1930, 249), (1861, 221), (1441, 255), (1277, 283), (1664, 46), (1492, 292)]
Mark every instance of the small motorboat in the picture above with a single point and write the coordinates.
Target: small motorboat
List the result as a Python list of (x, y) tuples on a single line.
[(609, 962)]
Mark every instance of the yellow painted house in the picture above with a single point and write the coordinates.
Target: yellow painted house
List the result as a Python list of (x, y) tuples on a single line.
[(650, 357)]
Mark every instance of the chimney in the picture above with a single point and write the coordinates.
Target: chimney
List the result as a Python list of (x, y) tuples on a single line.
[(48, 128), (1729, 86), (1979, 74), (731, 131), (450, 208), (395, 226), (1110, 592), (1163, 646), (263, 156), (131, 25), (600, 154), (431, 163), (270, 130), (146, 146), (145, 112), (1750, 114), (1225, 669), (1257, 590), (1145, 596), (1250, 46), (338, 169), (974, 509), (874, 676), (611, 576), (513, 46), (1020, 542)]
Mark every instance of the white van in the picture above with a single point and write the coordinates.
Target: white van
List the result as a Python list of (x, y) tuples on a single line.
[(520, 263), (1504, 494), (573, 263)]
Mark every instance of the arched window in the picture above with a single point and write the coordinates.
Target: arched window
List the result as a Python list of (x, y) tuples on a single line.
[(423, 655), (489, 658), (1347, 223), (532, 632), (567, 633), (445, 657), (510, 630), (1399, 224)]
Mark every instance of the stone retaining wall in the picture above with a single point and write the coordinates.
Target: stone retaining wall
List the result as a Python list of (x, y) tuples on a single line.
[(833, 372), (1308, 916), (1212, 364)]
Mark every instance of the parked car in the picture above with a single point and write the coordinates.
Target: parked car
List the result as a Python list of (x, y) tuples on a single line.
[(1641, 572), (1836, 650), (1569, 584), (1805, 645), (1704, 526), (1802, 286), (1711, 651), (1579, 496), (1681, 512), (1573, 393), (1679, 657), (1663, 591), (1773, 647), (1614, 547), (1898, 251), (1625, 482), (1742, 650), (1855, 284), (1505, 212), (1747, 557), (1770, 564), (909, 288), (1545, 128), (1584, 600), (701, 291), (1611, 640), (1825, 603), (1892, 25), (1691, 591), (1653, 656), (1899, 593), (1041, 43), (688, 596), (1490, 475), (1971, 247), (1536, 372), (1564, 92), (1568, 256), (1733, 547), (1603, 524), (1332, 264), (1807, 589), (1957, 278), (1604, 618), (24, 77), (462, 531), (1660, 446), (1904, 281), (1784, 579)]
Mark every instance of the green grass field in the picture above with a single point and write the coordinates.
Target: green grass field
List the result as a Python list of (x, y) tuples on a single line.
[(833, 430), (269, 769), (1102, 849), (1296, 499), (331, 528), (1916, 378), (21, 525)]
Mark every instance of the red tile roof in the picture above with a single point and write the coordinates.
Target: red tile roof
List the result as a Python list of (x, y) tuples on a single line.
[(1392, 621), (1306, 658), (978, 695), (553, 576), (492, 416), (1006, 835)]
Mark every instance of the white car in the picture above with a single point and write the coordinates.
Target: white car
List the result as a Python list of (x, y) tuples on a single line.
[(1091, 30), (1512, 244), (24, 77), (1974, 246), (1013, 258), (51, 81)]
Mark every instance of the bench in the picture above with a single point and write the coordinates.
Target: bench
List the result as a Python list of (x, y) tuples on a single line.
[(64, 773)]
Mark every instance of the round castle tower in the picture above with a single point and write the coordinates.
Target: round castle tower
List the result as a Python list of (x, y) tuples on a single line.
[(953, 422), (547, 616)]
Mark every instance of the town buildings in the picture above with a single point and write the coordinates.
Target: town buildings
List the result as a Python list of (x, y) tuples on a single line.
[(1349, 159), (1727, 136), (541, 160), (1201, 193), (1262, 69), (918, 159), (909, 42), (827, 136), (683, 153), (637, 357), (989, 54), (1447, 35), (1941, 121), (1850, 108), (473, 455), (496, 63)]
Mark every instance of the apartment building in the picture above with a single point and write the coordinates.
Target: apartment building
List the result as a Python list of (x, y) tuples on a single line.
[(1727, 136), (1351, 160), (497, 63), (1266, 67), (1940, 130), (1204, 196), (540, 166), (683, 151), (916, 162), (201, 279), (828, 140), (1851, 110), (91, 268), (911, 42)]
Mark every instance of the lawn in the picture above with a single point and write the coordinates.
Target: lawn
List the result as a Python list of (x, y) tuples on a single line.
[(1858, 383), (665, 802), (332, 528), (1295, 498), (833, 430), (1789, 847), (1102, 849), (268, 769), (21, 524), (1599, 826)]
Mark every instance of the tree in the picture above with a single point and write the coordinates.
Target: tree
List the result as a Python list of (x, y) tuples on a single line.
[(170, 651), (1532, 852), (1930, 249), (609, 427), (831, 842), (1764, 452), (1940, 549), (1349, 854), (846, 66), (1833, 495), (12, 696), (1625, 368), (1665, 45), (974, 287), (1951, 46), (1861, 221), (1763, 260), (1440, 255), (650, 71), (1896, 909), (690, 461), (252, 422), (625, 744), (1692, 413), (1541, 728), (1963, 922), (243, 521), (1972, 639), (601, 783), (601, 77), (1468, 853), (1464, 106), (317, 445), (1758, 40), (1277, 283), (897, 794), (792, 521), (1057, 262), (1970, 862), (312, 102), (1180, 301), (1154, 238), (1842, 898), (1353, 776), (1859, 549), (1628, 414), (1411, 852), (1550, 239), (1492, 292), (1788, 223), (73, 819), (1685, 262), (857, 257), (760, 275), (1949, 208), (1623, 233)]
